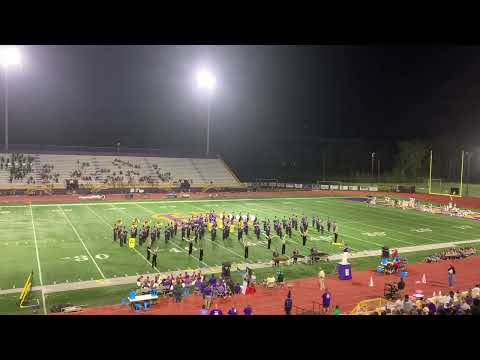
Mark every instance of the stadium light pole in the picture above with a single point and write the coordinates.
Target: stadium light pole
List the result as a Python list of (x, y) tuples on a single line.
[(469, 158), (9, 56), (373, 162), (206, 80)]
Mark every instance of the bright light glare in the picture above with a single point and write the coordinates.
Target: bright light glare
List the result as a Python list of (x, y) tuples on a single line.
[(9, 56), (206, 80)]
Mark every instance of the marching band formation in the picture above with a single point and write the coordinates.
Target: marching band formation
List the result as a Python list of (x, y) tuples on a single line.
[(195, 228)]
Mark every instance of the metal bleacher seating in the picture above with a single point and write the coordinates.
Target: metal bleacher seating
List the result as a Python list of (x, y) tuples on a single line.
[(121, 170)]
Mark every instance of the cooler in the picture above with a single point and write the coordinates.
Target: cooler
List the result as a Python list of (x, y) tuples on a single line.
[(344, 271)]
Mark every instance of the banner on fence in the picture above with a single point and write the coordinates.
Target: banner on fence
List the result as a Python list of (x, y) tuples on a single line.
[(324, 187), (373, 188), (363, 188), (353, 187), (344, 187), (289, 186), (334, 187), (298, 186)]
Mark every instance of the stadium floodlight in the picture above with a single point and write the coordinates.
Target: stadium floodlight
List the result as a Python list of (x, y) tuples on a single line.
[(9, 56), (206, 80)]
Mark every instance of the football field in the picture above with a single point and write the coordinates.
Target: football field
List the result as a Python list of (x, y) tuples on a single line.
[(73, 242)]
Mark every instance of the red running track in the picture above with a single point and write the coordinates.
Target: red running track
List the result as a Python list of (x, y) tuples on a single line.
[(346, 294)]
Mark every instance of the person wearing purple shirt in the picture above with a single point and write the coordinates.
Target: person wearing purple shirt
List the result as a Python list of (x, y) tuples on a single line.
[(204, 310), (216, 311), (248, 310), (232, 311), (432, 308), (212, 280), (326, 298), (207, 295), (237, 289)]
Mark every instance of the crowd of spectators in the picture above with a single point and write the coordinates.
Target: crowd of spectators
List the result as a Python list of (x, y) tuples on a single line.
[(451, 254), (19, 166), (456, 303), (46, 174)]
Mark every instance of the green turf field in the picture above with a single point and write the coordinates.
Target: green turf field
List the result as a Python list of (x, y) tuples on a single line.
[(73, 242)]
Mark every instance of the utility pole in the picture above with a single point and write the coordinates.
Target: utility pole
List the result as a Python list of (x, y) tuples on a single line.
[(323, 165), (378, 169), (373, 163)]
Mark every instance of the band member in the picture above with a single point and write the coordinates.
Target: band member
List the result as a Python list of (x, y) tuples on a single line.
[(322, 227), (149, 246), (284, 244), (275, 258), (240, 232), (245, 227), (200, 258), (190, 247), (335, 234), (175, 226), (257, 231), (214, 232), (183, 230), (167, 235), (317, 223), (329, 224), (269, 240), (115, 231), (295, 255), (154, 257), (246, 248), (304, 237)]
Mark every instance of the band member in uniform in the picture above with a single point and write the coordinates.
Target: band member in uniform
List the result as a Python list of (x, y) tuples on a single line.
[(175, 226), (154, 256), (329, 224), (115, 232), (304, 237), (240, 232), (284, 244), (335, 234), (322, 227), (149, 246), (200, 258), (269, 240), (245, 244), (214, 232), (190, 247), (275, 258), (295, 255)]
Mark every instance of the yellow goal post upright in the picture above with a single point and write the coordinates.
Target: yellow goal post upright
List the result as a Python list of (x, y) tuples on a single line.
[(433, 191), (23, 299)]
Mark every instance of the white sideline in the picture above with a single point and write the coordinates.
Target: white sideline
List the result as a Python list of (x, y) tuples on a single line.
[(38, 262), (132, 279)]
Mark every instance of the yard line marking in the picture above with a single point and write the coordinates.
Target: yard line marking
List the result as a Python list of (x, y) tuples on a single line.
[(110, 226), (79, 238), (38, 261)]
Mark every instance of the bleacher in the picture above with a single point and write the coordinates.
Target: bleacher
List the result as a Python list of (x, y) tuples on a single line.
[(118, 171)]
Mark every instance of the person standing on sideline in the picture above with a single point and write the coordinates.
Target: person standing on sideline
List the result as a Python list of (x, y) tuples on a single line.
[(451, 275), (154, 257), (288, 303), (248, 310), (326, 298), (321, 279)]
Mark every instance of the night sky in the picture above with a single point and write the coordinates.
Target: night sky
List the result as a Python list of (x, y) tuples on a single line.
[(146, 95)]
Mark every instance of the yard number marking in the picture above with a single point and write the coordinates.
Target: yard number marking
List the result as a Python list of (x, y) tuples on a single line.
[(421, 230), (378, 233), (85, 257), (463, 227)]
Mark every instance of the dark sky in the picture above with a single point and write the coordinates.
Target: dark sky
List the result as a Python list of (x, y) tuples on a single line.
[(145, 95)]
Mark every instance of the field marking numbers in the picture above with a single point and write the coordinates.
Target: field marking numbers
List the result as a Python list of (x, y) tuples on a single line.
[(463, 227), (421, 230), (38, 261), (79, 238)]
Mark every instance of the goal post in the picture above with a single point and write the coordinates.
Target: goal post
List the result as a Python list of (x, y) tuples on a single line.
[(446, 175)]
